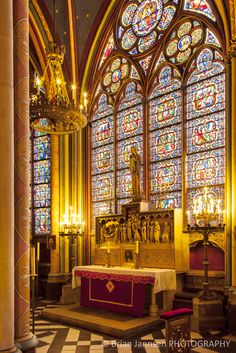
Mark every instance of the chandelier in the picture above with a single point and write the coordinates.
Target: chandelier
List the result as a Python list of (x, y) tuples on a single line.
[(207, 209), (53, 112)]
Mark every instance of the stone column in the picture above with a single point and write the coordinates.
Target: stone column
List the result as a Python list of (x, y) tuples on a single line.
[(232, 55), (232, 292), (22, 176), (6, 180), (55, 275)]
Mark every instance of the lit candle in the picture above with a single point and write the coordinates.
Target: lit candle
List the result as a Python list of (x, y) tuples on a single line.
[(85, 100), (212, 206), (108, 247), (32, 260), (136, 247), (218, 206), (38, 251)]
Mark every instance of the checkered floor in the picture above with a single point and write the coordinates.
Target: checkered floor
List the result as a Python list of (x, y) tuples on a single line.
[(57, 338)]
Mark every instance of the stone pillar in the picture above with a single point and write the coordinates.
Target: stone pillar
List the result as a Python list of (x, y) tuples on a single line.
[(22, 176), (55, 204), (55, 280), (6, 180), (232, 292), (232, 55)]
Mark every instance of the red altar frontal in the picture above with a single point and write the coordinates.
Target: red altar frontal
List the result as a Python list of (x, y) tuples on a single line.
[(120, 289)]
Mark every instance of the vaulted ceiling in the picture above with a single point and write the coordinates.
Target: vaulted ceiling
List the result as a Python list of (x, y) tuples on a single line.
[(55, 20)]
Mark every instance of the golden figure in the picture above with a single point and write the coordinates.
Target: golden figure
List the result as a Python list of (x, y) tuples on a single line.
[(144, 231), (166, 233), (134, 167), (157, 232)]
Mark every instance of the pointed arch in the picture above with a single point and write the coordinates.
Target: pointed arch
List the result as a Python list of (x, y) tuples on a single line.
[(159, 122)]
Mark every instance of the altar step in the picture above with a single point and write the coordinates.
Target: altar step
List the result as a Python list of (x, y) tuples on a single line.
[(184, 299), (109, 323)]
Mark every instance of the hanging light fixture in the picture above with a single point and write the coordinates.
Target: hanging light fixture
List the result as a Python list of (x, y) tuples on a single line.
[(53, 112)]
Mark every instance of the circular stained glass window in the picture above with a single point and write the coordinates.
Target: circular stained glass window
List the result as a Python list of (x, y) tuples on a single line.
[(146, 42), (142, 22), (128, 39), (147, 17), (183, 41), (128, 15), (114, 74)]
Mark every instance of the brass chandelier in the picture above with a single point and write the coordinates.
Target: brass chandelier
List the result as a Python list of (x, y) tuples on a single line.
[(53, 112)]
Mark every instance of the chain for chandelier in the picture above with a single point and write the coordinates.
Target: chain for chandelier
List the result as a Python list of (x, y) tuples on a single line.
[(51, 110)]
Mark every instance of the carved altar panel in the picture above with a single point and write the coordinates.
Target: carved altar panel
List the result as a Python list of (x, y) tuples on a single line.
[(160, 256), (101, 256), (162, 242)]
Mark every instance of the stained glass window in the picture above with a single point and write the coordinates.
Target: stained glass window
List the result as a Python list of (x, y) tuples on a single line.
[(143, 22), (165, 140), (41, 181), (199, 6), (129, 127), (206, 125), (160, 88), (102, 157)]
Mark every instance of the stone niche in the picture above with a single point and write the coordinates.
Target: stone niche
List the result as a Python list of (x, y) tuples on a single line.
[(161, 241)]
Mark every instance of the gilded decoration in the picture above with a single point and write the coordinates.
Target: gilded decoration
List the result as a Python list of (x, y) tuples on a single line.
[(215, 238), (110, 286), (42, 19), (21, 40), (155, 227), (22, 158), (22, 101), (232, 51), (22, 274), (139, 230), (23, 215)]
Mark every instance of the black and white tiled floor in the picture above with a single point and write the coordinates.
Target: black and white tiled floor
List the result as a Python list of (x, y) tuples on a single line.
[(58, 338)]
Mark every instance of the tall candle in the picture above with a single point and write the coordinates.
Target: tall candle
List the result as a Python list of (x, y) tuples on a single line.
[(108, 247), (38, 251), (136, 247), (32, 260)]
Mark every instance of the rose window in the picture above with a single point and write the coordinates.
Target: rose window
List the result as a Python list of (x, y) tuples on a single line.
[(183, 41), (143, 22), (115, 73)]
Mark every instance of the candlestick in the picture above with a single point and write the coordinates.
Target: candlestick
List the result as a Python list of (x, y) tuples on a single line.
[(136, 247), (32, 260), (108, 247), (38, 251), (136, 265)]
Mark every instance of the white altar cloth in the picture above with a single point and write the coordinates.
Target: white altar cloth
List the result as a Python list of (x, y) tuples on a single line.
[(163, 279)]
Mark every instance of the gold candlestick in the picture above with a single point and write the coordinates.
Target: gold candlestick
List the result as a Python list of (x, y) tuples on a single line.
[(108, 259), (136, 266)]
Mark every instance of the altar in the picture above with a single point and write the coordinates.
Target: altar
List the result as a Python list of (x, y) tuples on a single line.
[(121, 289)]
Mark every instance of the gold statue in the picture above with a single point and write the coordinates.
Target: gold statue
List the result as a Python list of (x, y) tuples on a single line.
[(134, 167)]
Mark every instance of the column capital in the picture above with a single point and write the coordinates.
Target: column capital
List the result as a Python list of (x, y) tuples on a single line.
[(231, 52)]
